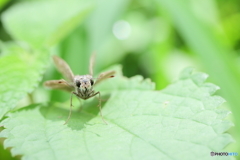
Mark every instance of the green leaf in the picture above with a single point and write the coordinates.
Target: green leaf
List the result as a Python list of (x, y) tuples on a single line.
[(19, 75), (47, 22), (179, 121)]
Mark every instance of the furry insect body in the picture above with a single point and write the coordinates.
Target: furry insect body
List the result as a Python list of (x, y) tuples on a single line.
[(84, 86)]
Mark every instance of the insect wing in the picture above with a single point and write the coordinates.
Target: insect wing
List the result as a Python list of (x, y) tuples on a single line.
[(59, 84), (104, 76), (63, 68)]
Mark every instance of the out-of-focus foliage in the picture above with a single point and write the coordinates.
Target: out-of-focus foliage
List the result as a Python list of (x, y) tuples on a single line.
[(155, 39)]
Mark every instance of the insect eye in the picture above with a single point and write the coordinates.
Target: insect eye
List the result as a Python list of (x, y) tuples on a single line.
[(92, 82), (78, 84)]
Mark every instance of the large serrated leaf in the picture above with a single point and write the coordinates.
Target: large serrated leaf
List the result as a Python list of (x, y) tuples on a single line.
[(180, 122), (19, 75), (47, 22)]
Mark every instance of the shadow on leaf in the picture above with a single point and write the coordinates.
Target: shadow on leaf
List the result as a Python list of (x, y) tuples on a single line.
[(79, 116)]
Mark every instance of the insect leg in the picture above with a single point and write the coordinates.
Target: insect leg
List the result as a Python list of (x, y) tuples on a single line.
[(70, 112), (99, 105)]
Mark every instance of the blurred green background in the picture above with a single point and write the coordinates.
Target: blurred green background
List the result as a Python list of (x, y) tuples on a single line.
[(152, 38)]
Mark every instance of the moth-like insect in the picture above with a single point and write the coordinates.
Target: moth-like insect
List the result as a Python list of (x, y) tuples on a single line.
[(79, 85)]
